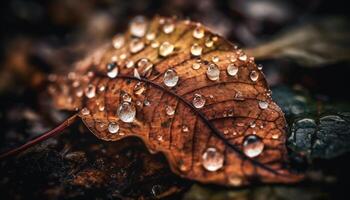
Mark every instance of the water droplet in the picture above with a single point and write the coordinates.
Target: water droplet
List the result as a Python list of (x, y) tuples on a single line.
[(101, 107), (138, 26), (196, 66), (146, 102), (198, 101), (113, 127), (213, 72), (144, 63), (150, 36), (212, 159), (243, 57), (90, 91), (112, 69), (136, 45), (215, 59), (198, 32), (118, 41), (196, 50), (235, 180), (169, 110), (254, 75), (209, 43), (170, 78), (102, 88), (79, 92), (232, 69), (85, 111), (125, 96), (126, 112), (185, 128), (252, 146), (155, 44), (275, 136), (168, 27), (260, 66), (166, 49), (263, 104), (129, 64)]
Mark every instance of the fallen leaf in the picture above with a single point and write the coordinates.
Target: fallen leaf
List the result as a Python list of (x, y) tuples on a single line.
[(187, 93), (312, 44)]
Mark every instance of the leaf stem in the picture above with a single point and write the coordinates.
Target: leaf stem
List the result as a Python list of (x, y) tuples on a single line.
[(40, 138)]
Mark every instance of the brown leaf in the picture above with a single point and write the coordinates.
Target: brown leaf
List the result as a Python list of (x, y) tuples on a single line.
[(178, 90)]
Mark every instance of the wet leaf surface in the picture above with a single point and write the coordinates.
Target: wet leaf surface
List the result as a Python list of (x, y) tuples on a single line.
[(187, 93)]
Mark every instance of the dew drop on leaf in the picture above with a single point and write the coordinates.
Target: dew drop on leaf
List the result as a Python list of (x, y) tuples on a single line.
[(126, 112), (169, 110), (196, 66), (113, 127), (196, 50), (90, 91), (213, 72), (243, 57), (166, 49), (212, 159), (170, 78), (118, 41), (138, 26), (232, 69), (254, 75), (198, 32), (136, 45), (252, 146), (85, 111), (168, 27), (198, 101), (112, 70), (263, 104)]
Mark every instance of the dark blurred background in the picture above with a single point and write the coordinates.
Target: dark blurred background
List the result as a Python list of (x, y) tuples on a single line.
[(39, 37)]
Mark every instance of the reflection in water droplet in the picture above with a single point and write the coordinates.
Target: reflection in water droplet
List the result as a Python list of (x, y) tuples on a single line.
[(113, 127), (169, 110), (263, 104), (137, 74), (198, 101), (212, 159), (254, 75), (170, 78), (138, 26), (213, 72), (136, 45), (166, 49), (252, 146), (90, 91), (198, 32), (126, 112), (118, 41), (144, 64), (196, 50), (129, 64), (232, 69)]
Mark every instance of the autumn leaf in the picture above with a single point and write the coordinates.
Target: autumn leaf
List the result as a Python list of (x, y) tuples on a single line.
[(187, 93)]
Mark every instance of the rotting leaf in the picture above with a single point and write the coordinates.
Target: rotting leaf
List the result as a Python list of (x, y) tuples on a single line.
[(313, 44), (187, 93)]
